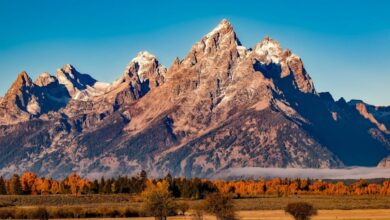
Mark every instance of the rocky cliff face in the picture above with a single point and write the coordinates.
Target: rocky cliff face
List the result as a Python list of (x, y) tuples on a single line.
[(222, 106)]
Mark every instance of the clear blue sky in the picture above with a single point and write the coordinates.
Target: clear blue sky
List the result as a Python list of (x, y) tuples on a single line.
[(344, 44)]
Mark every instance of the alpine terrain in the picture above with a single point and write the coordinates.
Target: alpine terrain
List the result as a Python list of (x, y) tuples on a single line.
[(222, 106)]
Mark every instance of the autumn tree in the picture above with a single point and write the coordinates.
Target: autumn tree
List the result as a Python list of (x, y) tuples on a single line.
[(221, 205), (77, 185), (55, 187), (157, 200), (73, 182), (27, 181)]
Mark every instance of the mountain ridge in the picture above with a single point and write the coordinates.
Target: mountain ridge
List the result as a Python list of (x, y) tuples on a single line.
[(222, 106)]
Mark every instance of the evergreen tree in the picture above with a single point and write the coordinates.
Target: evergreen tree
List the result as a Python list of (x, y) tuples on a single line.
[(107, 187), (101, 185), (3, 190), (15, 187), (94, 189)]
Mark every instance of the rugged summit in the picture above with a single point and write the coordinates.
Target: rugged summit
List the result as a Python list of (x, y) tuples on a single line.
[(141, 75), (220, 107)]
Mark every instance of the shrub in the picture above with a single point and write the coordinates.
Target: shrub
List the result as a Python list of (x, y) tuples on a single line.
[(41, 213), (129, 212), (158, 201), (220, 205), (301, 210)]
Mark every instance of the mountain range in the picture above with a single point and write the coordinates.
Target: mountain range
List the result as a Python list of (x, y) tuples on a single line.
[(222, 106)]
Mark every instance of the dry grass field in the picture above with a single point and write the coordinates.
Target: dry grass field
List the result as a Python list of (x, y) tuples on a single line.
[(369, 214), (267, 207), (270, 202)]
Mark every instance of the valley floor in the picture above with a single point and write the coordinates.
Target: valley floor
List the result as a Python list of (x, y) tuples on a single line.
[(374, 214), (266, 207)]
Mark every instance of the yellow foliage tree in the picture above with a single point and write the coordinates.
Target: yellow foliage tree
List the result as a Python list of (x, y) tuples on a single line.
[(157, 200)]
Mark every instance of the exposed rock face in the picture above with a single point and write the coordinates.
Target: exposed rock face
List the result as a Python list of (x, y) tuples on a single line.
[(80, 86), (385, 163), (141, 75), (361, 107), (15, 102), (222, 106), (381, 114), (45, 79), (286, 64)]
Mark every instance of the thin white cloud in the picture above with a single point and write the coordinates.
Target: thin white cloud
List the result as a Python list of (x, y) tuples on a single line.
[(346, 173)]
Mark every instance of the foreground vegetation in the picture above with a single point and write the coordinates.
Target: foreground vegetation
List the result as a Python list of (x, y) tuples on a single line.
[(123, 205), (32, 197), (195, 188), (266, 202)]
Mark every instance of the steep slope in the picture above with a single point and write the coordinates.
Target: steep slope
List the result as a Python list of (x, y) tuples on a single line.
[(222, 106), (80, 86), (17, 102), (217, 83), (381, 114), (141, 75)]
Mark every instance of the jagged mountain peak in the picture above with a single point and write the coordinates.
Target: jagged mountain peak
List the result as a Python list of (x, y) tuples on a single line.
[(143, 56), (176, 61), (174, 66), (144, 62), (220, 43), (223, 27), (278, 63), (45, 79), (143, 73), (144, 65), (20, 86), (269, 50), (74, 81), (23, 79), (17, 98), (68, 68), (222, 33)]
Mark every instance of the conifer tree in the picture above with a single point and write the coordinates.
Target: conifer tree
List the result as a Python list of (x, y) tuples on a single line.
[(15, 187), (3, 190)]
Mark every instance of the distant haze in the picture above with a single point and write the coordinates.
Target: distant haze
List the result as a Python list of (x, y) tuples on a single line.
[(347, 173)]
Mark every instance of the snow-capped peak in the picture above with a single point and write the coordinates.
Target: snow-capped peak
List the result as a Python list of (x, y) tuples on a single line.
[(269, 49), (223, 34), (142, 74), (143, 63), (80, 86), (221, 38), (143, 57), (224, 24), (144, 60)]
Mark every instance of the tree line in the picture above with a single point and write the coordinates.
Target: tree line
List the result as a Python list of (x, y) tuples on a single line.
[(30, 184)]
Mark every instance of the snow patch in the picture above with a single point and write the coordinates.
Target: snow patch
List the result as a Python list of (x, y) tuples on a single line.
[(222, 25), (33, 107), (269, 49)]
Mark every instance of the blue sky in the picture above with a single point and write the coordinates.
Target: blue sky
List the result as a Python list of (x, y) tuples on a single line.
[(344, 44)]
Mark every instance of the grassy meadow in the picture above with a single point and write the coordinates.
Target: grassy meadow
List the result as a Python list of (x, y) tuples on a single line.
[(126, 206)]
